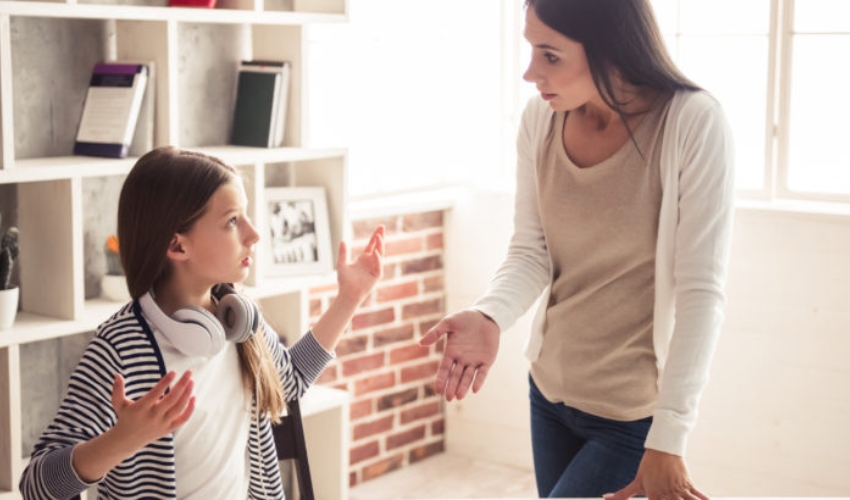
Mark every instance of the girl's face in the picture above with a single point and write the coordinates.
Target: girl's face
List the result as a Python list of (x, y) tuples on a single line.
[(219, 247), (558, 66)]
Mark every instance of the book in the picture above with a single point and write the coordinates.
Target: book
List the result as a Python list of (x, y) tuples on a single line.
[(143, 138), (111, 109), (262, 94)]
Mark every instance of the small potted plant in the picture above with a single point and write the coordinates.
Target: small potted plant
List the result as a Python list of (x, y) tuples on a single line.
[(113, 285), (8, 294)]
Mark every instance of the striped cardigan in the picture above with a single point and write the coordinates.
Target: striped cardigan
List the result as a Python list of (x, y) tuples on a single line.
[(125, 344)]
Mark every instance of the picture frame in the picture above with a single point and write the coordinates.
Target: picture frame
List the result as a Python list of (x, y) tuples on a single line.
[(297, 231)]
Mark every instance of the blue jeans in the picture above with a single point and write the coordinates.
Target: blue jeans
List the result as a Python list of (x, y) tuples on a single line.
[(577, 454)]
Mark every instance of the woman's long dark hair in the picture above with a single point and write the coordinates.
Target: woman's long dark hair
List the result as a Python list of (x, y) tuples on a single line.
[(165, 193), (619, 36)]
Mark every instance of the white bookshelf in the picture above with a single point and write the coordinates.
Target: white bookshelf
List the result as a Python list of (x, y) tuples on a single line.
[(49, 187)]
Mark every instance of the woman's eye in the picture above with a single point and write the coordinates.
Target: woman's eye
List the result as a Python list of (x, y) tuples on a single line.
[(550, 57), (232, 221)]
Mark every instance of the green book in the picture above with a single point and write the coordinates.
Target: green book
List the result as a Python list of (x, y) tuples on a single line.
[(254, 112)]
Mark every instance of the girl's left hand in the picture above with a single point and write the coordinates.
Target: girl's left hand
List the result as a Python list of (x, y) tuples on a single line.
[(660, 476), (356, 279)]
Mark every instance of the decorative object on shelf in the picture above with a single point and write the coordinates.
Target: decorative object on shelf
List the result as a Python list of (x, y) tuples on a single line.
[(111, 110), (8, 294), (113, 285), (262, 93), (192, 3), (299, 237)]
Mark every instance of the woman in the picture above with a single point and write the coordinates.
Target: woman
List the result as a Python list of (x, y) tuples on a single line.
[(623, 222)]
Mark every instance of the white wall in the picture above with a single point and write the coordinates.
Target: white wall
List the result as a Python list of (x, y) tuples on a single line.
[(774, 419), (493, 423)]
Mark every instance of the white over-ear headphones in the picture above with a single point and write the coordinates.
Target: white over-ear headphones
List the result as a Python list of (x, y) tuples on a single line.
[(195, 331)]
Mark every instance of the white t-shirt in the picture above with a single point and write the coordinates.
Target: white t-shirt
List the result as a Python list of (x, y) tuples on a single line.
[(211, 449)]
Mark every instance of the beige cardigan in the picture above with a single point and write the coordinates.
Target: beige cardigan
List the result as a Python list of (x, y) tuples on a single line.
[(692, 254)]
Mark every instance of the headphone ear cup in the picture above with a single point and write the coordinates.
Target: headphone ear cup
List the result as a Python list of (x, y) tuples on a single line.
[(239, 317), (208, 323)]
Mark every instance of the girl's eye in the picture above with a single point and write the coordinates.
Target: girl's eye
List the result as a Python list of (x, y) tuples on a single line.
[(550, 57), (232, 221)]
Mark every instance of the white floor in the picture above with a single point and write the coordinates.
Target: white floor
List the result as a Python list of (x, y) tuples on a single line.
[(449, 476)]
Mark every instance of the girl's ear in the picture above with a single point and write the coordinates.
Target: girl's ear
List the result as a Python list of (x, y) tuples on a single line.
[(176, 251)]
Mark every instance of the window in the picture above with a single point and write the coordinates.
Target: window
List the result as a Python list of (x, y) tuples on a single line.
[(768, 62), (431, 94), (415, 93)]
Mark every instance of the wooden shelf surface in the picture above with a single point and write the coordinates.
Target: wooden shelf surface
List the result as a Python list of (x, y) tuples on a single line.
[(178, 14)]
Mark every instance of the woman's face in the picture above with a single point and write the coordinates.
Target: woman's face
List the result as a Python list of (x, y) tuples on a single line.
[(558, 66)]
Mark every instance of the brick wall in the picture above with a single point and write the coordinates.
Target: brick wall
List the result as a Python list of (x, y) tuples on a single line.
[(396, 417)]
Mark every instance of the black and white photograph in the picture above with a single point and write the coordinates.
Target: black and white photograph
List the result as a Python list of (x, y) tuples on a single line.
[(299, 235)]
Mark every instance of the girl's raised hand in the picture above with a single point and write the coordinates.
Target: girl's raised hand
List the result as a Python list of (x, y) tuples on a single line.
[(356, 279)]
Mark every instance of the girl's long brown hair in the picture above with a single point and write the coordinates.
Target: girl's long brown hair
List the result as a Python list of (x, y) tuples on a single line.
[(166, 191)]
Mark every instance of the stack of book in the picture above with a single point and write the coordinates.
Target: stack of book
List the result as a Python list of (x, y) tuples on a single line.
[(259, 117)]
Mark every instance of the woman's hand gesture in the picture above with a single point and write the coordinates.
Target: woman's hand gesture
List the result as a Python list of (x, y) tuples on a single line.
[(472, 342)]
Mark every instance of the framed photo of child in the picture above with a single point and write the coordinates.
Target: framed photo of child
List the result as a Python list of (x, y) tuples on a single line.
[(298, 237)]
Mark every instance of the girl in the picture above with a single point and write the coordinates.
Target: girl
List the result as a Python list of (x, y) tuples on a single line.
[(623, 224), (129, 423)]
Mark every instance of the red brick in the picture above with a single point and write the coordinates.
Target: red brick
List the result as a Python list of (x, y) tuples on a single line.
[(428, 390), (363, 229), (406, 437), (438, 427), (434, 241), (422, 411), (426, 325), (375, 318), (380, 468), (422, 265), (360, 409), (426, 308), (402, 354), (419, 372), (397, 399), (423, 452), (352, 479), (374, 383), (362, 364), (407, 245), (363, 452), (417, 222), (351, 345), (378, 426), (392, 335), (397, 292), (433, 284)]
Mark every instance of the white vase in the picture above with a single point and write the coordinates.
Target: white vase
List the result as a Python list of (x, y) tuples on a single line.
[(8, 307), (114, 287)]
